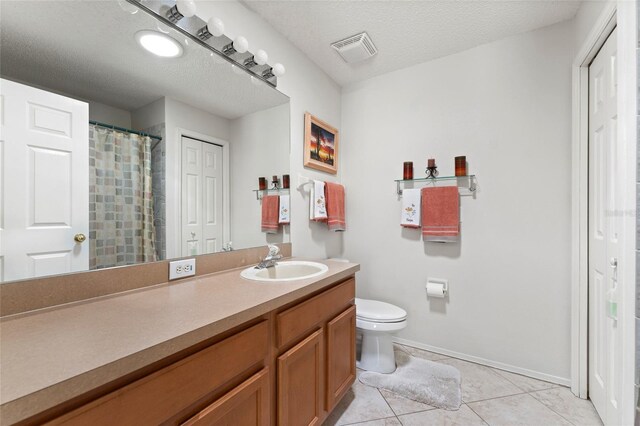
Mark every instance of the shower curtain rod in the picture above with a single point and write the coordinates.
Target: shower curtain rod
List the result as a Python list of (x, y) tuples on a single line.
[(122, 129)]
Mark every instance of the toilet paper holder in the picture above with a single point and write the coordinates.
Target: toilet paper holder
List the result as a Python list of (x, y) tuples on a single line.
[(437, 287)]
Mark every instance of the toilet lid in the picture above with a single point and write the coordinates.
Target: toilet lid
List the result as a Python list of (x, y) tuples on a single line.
[(374, 310)]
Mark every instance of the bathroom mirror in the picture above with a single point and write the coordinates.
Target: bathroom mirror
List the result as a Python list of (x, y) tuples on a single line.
[(111, 155)]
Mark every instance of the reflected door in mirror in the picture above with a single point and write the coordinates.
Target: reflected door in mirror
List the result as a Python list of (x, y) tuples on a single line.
[(202, 195), (45, 205)]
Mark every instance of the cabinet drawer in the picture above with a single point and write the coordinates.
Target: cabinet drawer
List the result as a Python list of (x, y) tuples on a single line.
[(300, 319), (246, 405), (166, 393)]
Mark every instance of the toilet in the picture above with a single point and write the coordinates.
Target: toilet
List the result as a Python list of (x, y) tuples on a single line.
[(376, 321)]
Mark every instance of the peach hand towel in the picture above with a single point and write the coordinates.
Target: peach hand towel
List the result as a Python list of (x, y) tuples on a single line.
[(334, 193), (270, 213), (410, 209), (440, 212)]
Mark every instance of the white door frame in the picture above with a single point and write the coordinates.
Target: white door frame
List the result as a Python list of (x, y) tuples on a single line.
[(621, 14), (226, 208)]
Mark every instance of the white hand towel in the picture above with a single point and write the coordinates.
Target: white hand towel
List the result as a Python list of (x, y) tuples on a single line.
[(317, 207), (410, 208), (284, 217)]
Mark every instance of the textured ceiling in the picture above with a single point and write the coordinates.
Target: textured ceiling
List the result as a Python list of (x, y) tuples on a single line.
[(405, 32), (87, 49)]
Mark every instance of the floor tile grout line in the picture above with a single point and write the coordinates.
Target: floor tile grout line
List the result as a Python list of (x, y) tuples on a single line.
[(550, 408), (495, 397), (495, 371), (387, 402), (372, 420), (474, 411)]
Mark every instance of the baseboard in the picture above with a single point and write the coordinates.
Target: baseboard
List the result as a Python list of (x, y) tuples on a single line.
[(499, 365)]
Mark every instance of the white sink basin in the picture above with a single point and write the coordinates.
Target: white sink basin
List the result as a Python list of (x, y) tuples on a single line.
[(286, 271)]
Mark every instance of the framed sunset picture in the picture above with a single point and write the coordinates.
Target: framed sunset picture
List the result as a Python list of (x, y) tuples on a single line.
[(320, 145)]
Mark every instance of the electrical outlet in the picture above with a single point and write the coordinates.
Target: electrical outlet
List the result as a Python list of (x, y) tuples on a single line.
[(182, 268)]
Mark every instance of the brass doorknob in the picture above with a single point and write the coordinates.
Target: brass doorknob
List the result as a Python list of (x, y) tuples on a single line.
[(79, 238)]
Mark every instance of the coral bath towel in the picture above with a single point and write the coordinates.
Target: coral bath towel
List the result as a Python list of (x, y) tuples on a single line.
[(270, 213), (334, 194), (440, 211)]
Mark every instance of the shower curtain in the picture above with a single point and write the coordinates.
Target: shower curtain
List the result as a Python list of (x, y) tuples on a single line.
[(121, 230)]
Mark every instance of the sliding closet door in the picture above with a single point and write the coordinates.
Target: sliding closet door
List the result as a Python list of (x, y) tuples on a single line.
[(201, 197), (44, 172)]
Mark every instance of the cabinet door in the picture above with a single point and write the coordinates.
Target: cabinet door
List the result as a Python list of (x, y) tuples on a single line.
[(246, 405), (341, 355), (299, 383)]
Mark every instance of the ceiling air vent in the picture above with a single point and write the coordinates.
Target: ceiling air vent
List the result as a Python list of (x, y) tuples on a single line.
[(355, 48)]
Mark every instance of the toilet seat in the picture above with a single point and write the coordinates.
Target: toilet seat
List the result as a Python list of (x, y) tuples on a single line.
[(363, 324), (375, 311)]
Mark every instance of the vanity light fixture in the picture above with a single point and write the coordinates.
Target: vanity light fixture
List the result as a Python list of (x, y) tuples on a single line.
[(214, 28), (239, 45), (277, 70), (182, 9), (159, 44), (210, 35), (260, 58)]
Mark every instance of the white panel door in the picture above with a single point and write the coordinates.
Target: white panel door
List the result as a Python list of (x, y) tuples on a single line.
[(191, 197), (202, 190), (44, 178), (212, 197), (605, 357)]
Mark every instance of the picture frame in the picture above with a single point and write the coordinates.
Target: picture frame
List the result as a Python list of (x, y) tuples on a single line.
[(320, 145)]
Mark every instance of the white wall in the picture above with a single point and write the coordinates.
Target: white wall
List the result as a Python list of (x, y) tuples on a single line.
[(310, 89), (585, 18), (148, 115), (181, 117), (507, 107), (109, 115), (259, 146)]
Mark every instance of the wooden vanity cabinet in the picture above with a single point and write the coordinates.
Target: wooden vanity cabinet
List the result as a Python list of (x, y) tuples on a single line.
[(247, 404), (291, 368), (179, 390), (320, 368)]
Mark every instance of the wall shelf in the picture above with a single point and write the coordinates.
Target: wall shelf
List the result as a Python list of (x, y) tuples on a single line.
[(469, 182), (262, 192)]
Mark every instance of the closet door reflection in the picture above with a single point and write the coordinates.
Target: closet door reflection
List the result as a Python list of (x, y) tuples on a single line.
[(202, 197)]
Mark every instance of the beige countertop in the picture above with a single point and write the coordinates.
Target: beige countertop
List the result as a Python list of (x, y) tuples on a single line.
[(52, 355)]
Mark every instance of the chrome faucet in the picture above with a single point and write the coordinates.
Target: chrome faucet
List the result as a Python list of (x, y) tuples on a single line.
[(272, 258)]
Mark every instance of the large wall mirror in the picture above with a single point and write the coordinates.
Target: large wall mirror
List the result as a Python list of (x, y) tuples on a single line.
[(111, 155)]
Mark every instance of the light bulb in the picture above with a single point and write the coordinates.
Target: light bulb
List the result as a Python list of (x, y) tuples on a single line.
[(278, 70), (261, 57), (236, 69), (240, 44), (128, 7), (187, 8), (215, 26)]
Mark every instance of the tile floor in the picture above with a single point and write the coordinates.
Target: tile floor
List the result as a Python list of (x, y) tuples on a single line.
[(490, 397)]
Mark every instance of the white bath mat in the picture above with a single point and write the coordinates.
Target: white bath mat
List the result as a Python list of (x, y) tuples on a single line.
[(424, 381)]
